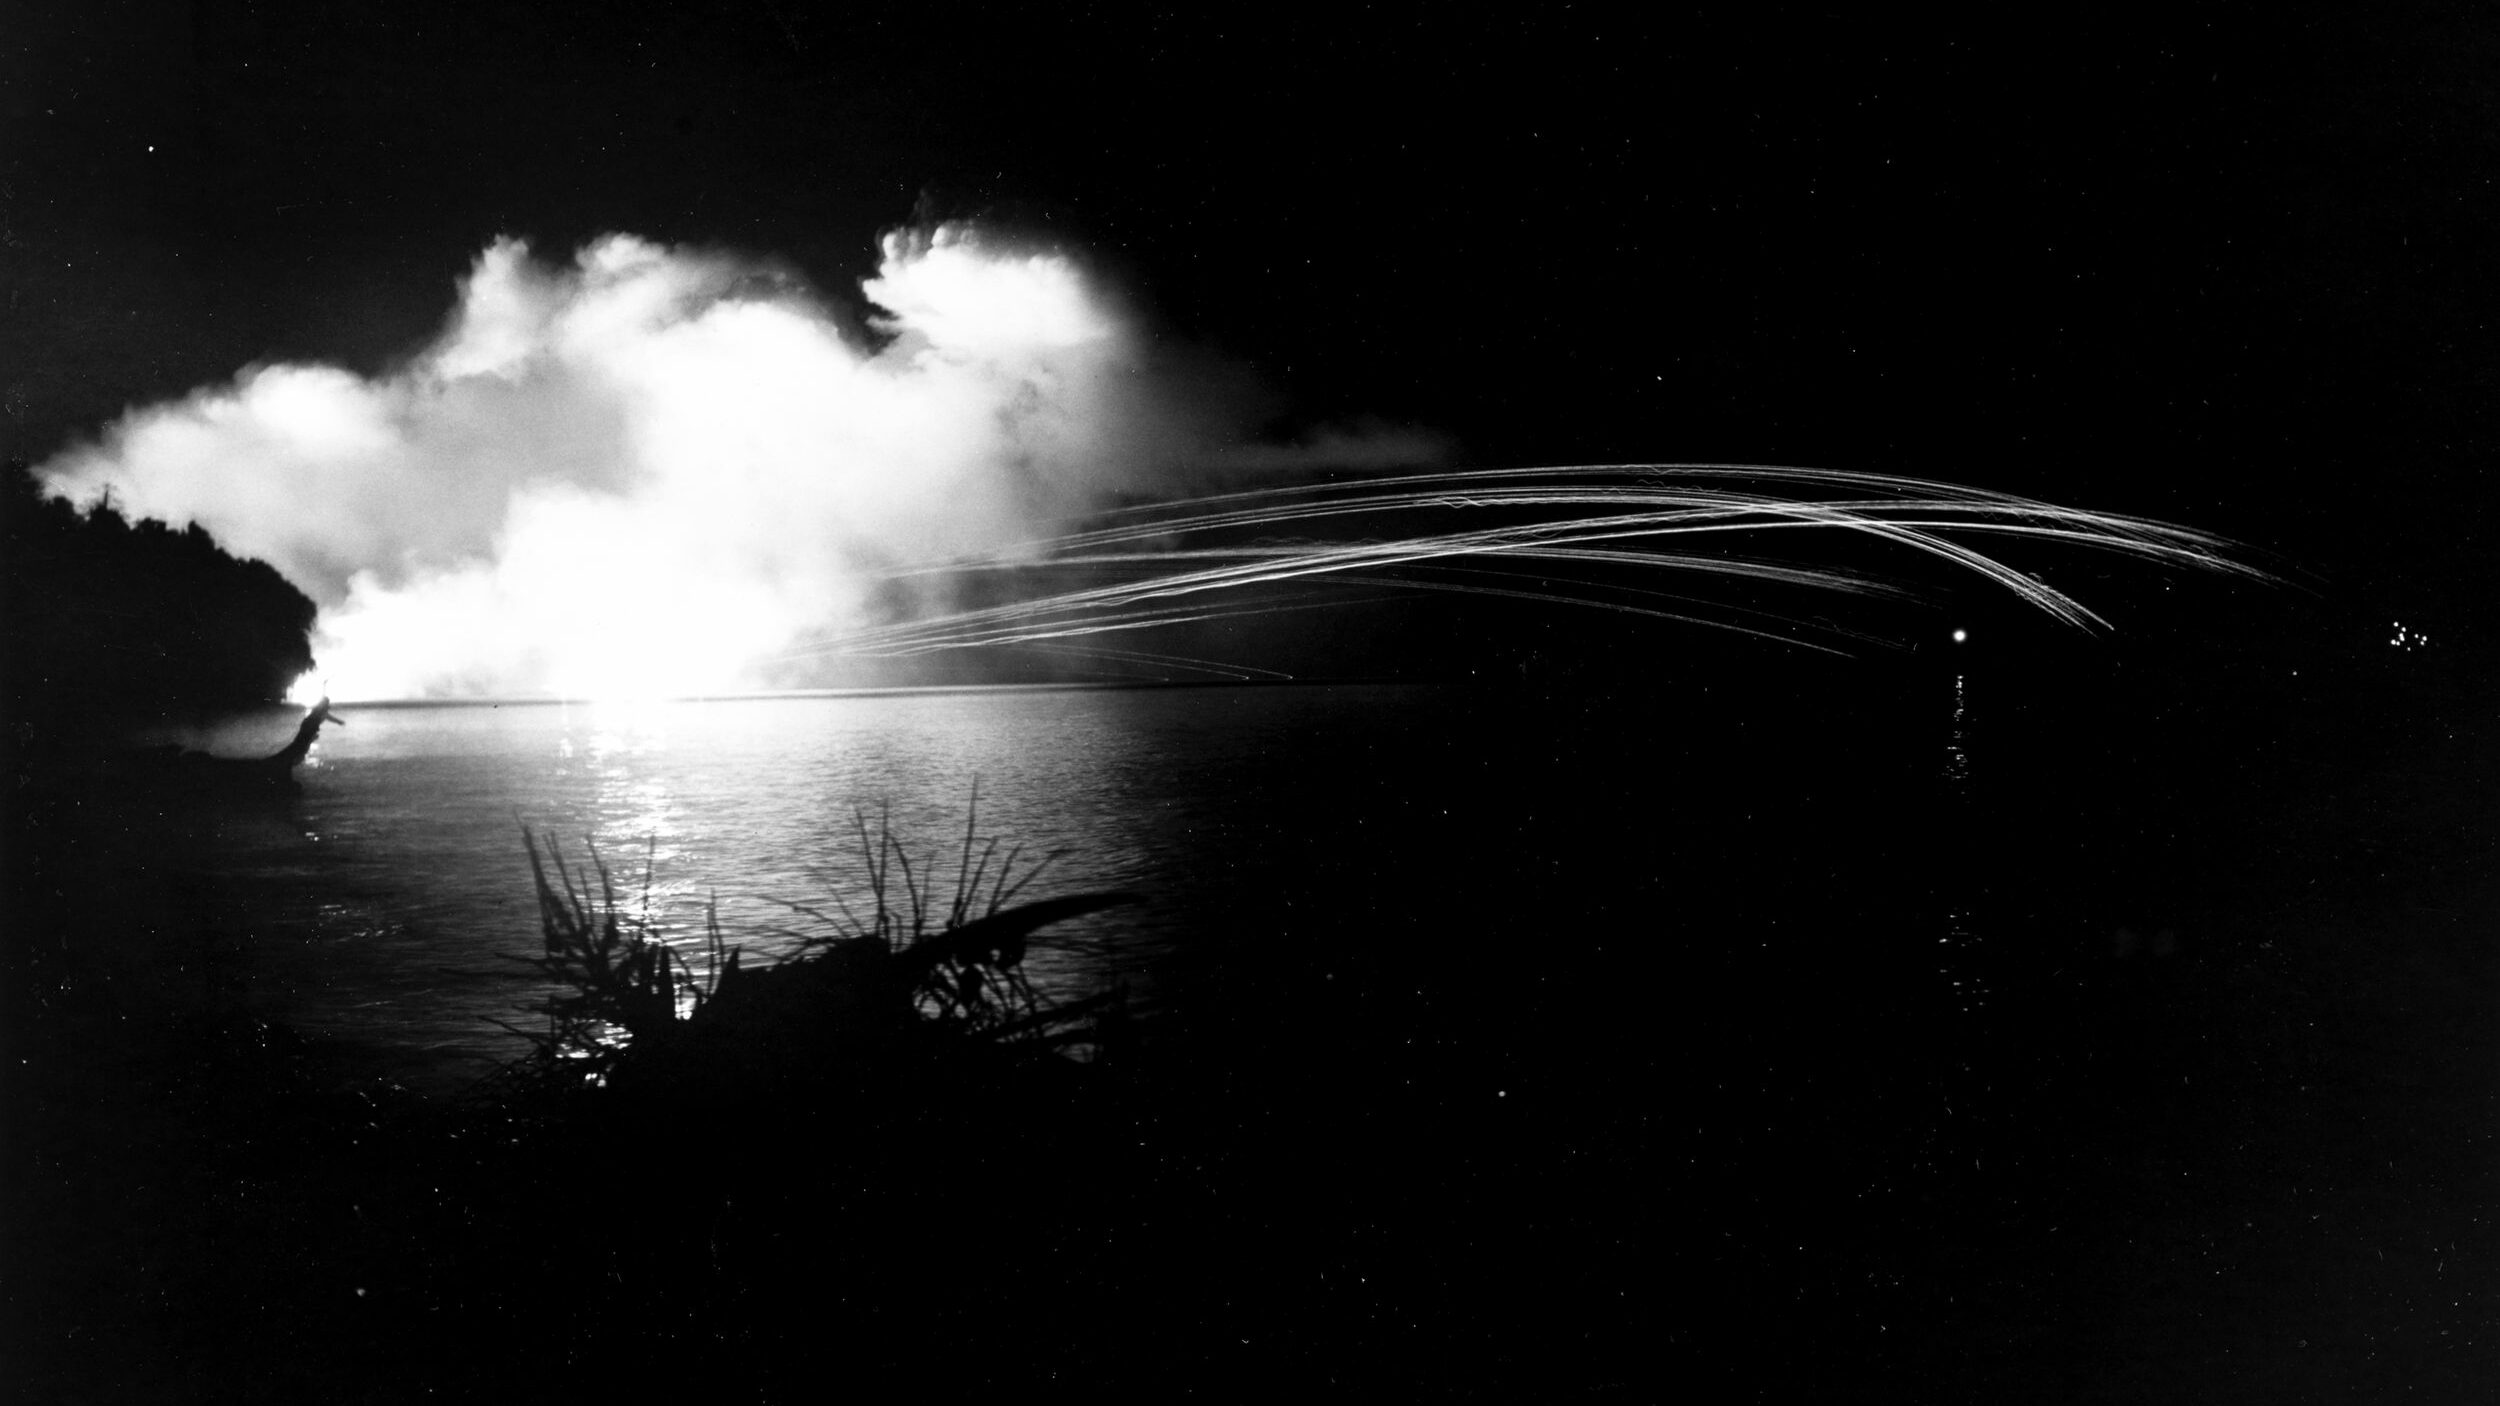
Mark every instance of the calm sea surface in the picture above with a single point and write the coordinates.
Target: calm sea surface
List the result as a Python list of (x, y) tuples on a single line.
[(1901, 1006), (388, 904), (1816, 849)]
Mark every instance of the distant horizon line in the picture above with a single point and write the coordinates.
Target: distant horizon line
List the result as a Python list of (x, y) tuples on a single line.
[(891, 691)]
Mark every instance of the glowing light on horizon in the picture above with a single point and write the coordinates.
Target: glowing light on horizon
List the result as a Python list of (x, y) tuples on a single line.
[(658, 473), (641, 474), (1581, 518)]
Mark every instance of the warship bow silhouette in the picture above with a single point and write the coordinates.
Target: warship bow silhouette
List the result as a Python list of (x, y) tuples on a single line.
[(274, 773)]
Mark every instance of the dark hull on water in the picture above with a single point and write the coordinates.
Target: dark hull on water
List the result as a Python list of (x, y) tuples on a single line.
[(183, 772)]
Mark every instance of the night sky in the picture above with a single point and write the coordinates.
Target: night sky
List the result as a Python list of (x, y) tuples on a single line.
[(2232, 268), (2227, 269)]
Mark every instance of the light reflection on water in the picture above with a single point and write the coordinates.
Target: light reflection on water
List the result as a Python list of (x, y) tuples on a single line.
[(1961, 969), (411, 824), (391, 903)]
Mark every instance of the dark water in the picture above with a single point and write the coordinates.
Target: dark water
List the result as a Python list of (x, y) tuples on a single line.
[(1797, 841), (387, 902), (2041, 1023)]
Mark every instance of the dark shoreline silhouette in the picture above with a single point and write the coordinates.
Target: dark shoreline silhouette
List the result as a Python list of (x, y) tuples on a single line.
[(112, 625)]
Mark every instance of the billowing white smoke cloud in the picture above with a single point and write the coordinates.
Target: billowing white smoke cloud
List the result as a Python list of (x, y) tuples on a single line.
[(648, 471)]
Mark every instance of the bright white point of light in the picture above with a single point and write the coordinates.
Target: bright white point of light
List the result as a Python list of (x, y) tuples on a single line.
[(1960, 636)]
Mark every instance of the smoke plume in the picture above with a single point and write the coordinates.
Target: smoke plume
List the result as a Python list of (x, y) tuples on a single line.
[(650, 470)]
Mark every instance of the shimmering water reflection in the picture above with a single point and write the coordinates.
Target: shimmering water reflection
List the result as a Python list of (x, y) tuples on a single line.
[(391, 904), (418, 892)]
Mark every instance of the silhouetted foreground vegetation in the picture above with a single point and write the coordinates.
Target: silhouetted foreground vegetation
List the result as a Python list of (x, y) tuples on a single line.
[(631, 1013), (851, 1164), (866, 1166), (113, 622)]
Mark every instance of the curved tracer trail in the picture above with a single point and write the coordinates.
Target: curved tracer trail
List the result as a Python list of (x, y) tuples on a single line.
[(1223, 555)]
